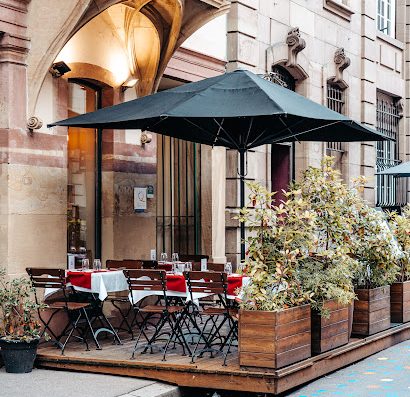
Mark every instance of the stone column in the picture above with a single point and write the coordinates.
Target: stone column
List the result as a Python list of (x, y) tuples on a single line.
[(368, 90), (213, 176), (14, 47)]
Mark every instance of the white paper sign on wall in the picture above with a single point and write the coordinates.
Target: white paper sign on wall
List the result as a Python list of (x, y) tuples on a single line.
[(140, 199)]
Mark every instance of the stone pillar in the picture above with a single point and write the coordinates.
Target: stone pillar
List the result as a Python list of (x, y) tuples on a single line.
[(368, 90), (213, 176), (14, 47)]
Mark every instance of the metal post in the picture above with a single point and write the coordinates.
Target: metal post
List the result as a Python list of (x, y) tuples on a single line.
[(242, 198)]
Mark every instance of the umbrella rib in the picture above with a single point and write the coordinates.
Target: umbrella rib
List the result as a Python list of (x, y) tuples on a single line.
[(294, 135), (249, 131), (227, 134), (202, 129), (217, 134)]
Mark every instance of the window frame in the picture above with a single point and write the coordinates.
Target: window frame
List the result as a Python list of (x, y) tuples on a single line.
[(389, 23)]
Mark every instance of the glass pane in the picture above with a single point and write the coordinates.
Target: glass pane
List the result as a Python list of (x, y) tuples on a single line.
[(81, 174)]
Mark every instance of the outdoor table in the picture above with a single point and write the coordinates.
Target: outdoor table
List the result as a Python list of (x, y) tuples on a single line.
[(177, 287), (98, 282)]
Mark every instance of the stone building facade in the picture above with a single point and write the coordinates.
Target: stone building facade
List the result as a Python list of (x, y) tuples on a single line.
[(70, 190), (350, 55)]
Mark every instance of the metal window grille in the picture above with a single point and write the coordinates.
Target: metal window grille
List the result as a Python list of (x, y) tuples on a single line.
[(335, 101), (390, 191), (279, 75), (179, 196)]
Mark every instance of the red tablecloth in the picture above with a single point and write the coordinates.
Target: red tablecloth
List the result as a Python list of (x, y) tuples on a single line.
[(81, 279), (176, 282), (234, 282)]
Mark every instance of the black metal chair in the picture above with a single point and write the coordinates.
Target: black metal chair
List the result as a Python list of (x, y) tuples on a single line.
[(213, 283), (155, 281), (120, 301), (42, 278)]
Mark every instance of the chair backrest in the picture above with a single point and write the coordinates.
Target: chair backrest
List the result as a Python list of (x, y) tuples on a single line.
[(216, 267), (132, 264), (46, 278), (148, 264), (206, 282), (146, 280), (192, 258), (114, 264)]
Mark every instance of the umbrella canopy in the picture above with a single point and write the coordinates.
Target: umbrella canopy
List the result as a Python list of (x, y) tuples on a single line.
[(400, 170), (238, 110)]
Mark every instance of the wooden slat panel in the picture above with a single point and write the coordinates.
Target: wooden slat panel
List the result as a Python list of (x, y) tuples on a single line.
[(293, 314), (256, 331), (297, 327), (293, 341), (293, 356)]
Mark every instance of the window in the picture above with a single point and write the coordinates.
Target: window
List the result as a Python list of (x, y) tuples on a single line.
[(282, 155), (179, 196), (335, 101), (390, 192), (386, 17), (83, 203)]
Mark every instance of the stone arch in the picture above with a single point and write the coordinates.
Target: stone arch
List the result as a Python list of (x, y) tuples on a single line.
[(176, 21)]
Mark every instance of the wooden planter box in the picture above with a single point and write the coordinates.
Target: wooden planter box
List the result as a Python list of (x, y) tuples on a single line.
[(400, 302), (329, 333), (371, 311), (274, 339)]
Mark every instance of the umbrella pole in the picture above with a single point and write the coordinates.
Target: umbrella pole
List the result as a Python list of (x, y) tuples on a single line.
[(242, 198)]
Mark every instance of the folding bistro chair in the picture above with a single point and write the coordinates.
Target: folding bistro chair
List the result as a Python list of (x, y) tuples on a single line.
[(155, 281), (213, 283), (119, 301), (42, 278)]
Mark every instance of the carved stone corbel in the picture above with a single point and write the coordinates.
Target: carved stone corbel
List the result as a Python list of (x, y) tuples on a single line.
[(400, 107), (34, 123), (295, 45), (342, 62)]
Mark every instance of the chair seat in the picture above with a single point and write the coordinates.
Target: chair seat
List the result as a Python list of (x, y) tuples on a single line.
[(68, 305), (216, 311), (160, 309)]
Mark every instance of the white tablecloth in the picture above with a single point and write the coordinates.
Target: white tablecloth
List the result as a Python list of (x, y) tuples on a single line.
[(114, 281)]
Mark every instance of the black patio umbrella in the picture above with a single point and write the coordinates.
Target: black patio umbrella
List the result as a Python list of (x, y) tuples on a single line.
[(400, 170), (238, 110)]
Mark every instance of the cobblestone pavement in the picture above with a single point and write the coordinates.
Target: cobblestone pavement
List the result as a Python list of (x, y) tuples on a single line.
[(385, 374)]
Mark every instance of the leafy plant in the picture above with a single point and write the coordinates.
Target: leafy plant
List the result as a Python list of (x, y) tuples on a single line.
[(372, 244), (328, 271), (18, 310), (279, 237), (400, 226)]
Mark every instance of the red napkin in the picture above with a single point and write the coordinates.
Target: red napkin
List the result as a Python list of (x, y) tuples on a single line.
[(176, 282), (234, 282), (79, 279)]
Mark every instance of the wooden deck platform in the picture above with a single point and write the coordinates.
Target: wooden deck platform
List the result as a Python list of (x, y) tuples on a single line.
[(209, 373)]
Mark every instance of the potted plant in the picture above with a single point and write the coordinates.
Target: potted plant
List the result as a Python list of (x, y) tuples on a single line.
[(328, 271), (274, 319), (373, 245), (19, 328), (400, 289)]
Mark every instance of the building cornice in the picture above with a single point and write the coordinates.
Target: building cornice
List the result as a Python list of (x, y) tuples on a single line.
[(338, 8)]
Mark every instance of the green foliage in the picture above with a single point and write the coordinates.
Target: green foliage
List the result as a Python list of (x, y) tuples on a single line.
[(372, 244), (18, 311), (329, 270), (278, 239), (400, 226)]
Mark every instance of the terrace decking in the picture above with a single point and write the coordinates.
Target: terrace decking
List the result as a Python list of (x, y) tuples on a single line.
[(209, 372)]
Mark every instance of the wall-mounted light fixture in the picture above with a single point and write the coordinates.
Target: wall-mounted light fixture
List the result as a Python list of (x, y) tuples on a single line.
[(129, 83), (58, 69)]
